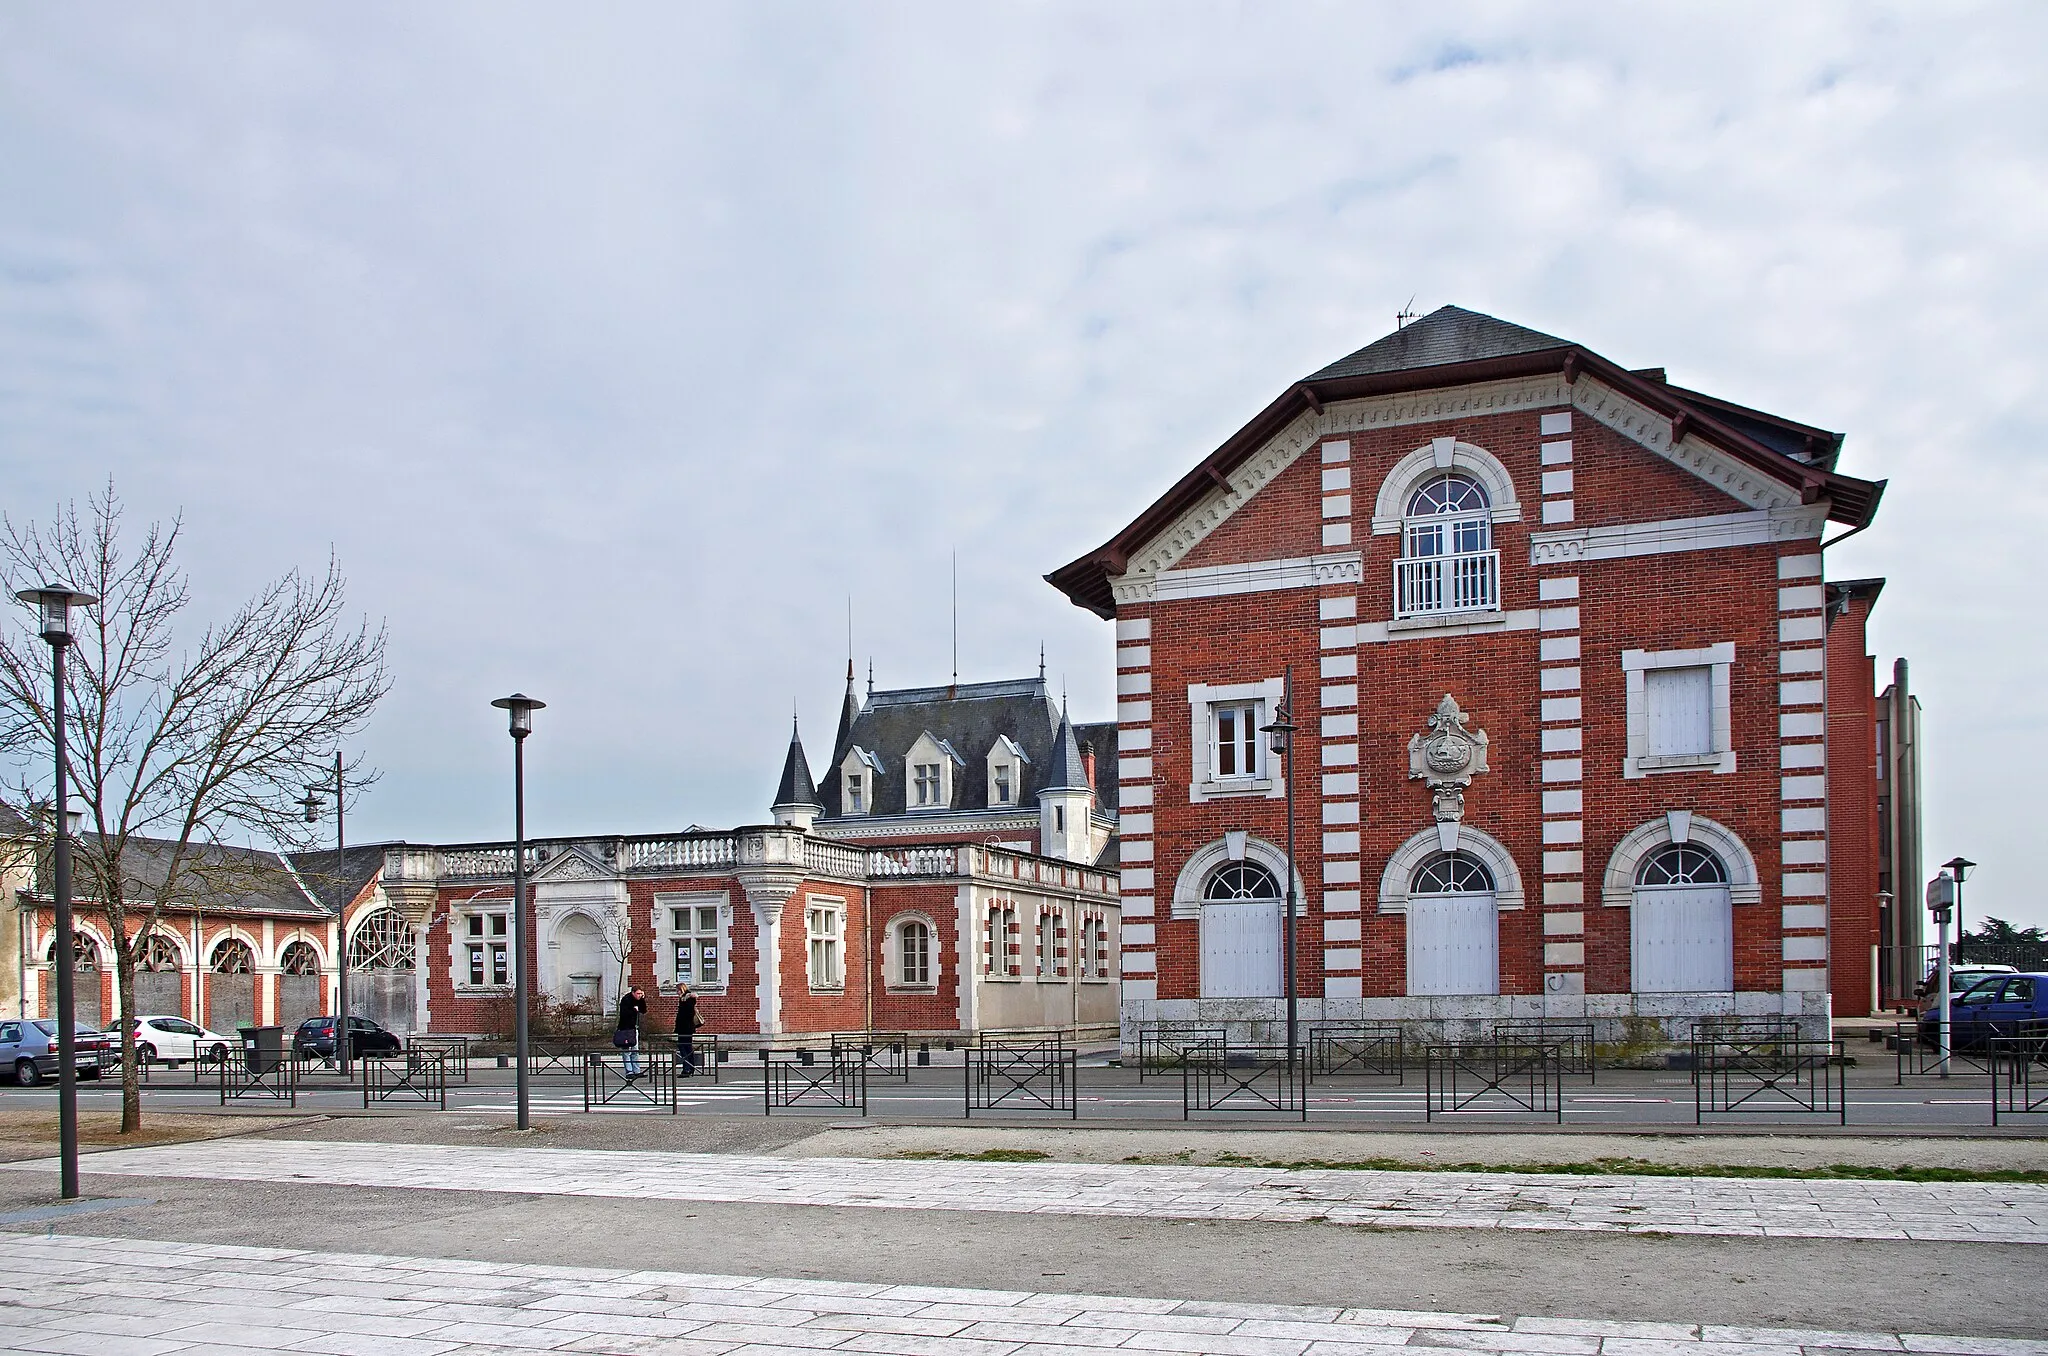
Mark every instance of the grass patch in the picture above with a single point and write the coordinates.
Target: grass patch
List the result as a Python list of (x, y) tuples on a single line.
[(1640, 1167), (985, 1156)]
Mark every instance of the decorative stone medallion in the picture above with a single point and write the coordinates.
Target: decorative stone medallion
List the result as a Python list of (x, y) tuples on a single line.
[(1445, 758)]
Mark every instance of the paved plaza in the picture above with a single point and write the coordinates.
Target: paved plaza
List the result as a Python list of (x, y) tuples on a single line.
[(119, 1297), (1724, 1207)]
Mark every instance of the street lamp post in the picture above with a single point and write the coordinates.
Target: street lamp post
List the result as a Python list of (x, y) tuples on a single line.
[(521, 708), (55, 602), (313, 806), (1282, 731), (1941, 898), (1958, 867)]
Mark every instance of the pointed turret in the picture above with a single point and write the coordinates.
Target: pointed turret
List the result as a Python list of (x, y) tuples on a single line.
[(849, 712), (796, 796), (1066, 802)]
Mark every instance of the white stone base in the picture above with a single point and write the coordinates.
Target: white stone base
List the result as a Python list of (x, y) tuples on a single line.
[(1642, 1019)]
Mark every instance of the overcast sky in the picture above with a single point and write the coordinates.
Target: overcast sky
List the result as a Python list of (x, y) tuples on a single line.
[(612, 348)]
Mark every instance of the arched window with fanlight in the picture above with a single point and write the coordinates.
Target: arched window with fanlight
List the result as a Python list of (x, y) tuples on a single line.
[(1453, 927), (1682, 923), (1448, 562), (1241, 926)]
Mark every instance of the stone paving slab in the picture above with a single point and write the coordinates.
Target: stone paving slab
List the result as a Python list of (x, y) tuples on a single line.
[(71, 1293), (1995, 1212)]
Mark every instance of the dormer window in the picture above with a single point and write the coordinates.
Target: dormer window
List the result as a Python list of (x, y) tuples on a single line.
[(860, 781), (856, 794), (999, 779), (929, 784), (929, 771), (1006, 760)]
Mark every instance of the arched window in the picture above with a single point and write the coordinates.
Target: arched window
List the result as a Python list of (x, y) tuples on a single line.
[(85, 951), (914, 952), (1447, 563), (233, 957), (159, 954), (1241, 882), (384, 942), (300, 959), (1682, 864), (1452, 873)]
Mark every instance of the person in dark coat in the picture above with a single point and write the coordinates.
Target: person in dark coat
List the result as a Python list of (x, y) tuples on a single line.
[(686, 1030), (627, 1034)]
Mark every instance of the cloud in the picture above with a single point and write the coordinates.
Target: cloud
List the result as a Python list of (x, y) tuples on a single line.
[(614, 351)]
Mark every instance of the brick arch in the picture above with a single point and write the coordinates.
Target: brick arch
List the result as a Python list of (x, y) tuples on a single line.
[(1187, 887), (1617, 886), (1402, 864)]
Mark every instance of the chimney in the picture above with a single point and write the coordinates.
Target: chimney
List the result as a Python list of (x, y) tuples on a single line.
[(1088, 766)]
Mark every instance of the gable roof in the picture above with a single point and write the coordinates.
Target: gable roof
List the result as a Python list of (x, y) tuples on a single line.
[(1455, 347), (336, 881)]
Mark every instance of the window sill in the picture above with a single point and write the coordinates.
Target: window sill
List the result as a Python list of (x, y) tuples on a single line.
[(1237, 786), (1429, 621), (911, 990), (1680, 762), (483, 991), (834, 992)]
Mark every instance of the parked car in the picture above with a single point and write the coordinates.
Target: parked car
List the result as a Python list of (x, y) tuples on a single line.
[(1960, 976), (1994, 1004), (29, 1048), (173, 1039), (315, 1038)]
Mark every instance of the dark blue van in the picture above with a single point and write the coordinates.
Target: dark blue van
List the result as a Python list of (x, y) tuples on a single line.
[(1993, 1006)]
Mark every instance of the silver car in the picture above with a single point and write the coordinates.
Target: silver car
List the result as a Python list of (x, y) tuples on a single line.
[(29, 1048)]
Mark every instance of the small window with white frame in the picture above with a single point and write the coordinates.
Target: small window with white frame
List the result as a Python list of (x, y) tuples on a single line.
[(1679, 716), (696, 939), (1049, 958), (856, 793), (825, 926), (486, 943), (1006, 760), (913, 968), (860, 782), (1000, 958), (1229, 747)]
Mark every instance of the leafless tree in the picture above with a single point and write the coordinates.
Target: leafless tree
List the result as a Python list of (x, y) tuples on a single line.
[(181, 741)]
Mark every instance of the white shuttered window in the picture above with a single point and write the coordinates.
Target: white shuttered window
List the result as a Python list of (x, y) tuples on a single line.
[(1683, 940), (1241, 950), (1679, 706), (1453, 945)]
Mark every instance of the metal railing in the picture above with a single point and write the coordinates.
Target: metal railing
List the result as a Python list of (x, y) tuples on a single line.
[(1163, 1046), (1011, 1075), (606, 1081), (454, 1050), (886, 1053), (1468, 581), (1574, 1041), (1370, 1049), (415, 1076), (1769, 1074), (1246, 1078), (240, 1080), (2019, 1073), (1496, 1078), (840, 1084)]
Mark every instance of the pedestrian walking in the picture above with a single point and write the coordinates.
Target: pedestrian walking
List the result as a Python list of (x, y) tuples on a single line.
[(686, 1030), (627, 1034)]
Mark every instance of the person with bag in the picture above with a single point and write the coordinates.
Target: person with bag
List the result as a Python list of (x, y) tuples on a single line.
[(686, 1030), (627, 1034)]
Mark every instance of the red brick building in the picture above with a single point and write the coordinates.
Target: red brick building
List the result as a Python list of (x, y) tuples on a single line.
[(1563, 685)]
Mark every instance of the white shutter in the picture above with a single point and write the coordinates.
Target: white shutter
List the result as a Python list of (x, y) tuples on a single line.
[(1679, 705), (1241, 950), (1453, 945), (1683, 939)]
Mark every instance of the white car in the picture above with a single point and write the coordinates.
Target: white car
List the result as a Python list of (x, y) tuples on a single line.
[(174, 1040)]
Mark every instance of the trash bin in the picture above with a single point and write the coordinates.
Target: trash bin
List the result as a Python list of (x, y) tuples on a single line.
[(263, 1048)]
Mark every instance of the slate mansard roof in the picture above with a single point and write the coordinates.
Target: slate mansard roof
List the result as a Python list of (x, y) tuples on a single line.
[(968, 719), (1455, 347)]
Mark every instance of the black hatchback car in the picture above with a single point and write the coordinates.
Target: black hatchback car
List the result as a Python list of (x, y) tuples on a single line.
[(315, 1039)]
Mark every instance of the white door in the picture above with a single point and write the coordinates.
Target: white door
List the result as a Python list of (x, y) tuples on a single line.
[(1241, 950), (1682, 939), (1453, 945)]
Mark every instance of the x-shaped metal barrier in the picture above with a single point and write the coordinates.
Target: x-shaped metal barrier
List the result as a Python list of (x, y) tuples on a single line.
[(415, 1076), (1577, 1052), (886, 1053), (1766, 1074), (1163, 1046), (1370, 1049), (1219, 1077), (841, 1084), (1040, 1075), (2019, 1073), (239, 1081), (1511, 1077), (607, 1081)]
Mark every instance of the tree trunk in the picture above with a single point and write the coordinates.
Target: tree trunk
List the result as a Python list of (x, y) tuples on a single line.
[(131, 1076)]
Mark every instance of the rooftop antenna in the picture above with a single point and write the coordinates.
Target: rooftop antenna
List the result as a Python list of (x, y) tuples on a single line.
[(1404, 315), (1041, 663), (871, 676), (956, 619), (849, 637)]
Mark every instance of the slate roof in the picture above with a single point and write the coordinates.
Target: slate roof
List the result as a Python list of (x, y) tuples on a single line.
[(216, 876), (968, 718), (796, 786), (1449, 334), (336, 881), (1452, 347), (1064, 772)]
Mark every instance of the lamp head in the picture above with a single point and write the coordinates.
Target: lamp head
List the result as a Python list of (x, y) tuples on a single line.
[(1959, 865), (53, 604), (313, 805), (1281, 731), (521, 708)]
